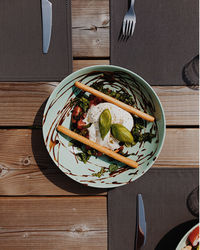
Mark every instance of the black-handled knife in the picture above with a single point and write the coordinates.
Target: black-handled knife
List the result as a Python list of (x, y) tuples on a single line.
[(140, 236), (46, 24)]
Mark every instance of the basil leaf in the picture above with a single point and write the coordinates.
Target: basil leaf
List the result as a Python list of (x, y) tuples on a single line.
[(104, 122), (121, 133)]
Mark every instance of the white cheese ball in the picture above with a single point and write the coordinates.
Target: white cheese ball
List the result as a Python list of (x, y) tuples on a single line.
[(118, 116)]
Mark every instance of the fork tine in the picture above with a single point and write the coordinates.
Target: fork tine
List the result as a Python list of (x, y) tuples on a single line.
[(127, 28), (124, 27), (131, 29)]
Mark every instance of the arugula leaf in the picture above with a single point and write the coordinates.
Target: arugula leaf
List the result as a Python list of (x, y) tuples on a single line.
[(146, 137), (84, 157), (84, 103), (100, 173)]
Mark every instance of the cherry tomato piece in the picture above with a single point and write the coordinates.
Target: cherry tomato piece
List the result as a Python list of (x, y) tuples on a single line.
[(76, 111), (194, 237), (99, 153), (80, 124)]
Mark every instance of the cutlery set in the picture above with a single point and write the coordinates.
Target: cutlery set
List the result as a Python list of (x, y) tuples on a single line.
[(128, 30), (128, 26)]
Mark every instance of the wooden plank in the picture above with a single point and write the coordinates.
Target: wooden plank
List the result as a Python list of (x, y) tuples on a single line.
[(90, 28), (22, 104), (29, 170), (79, 64), (180, 103), (181, 148), (71, 223), (26, 168)]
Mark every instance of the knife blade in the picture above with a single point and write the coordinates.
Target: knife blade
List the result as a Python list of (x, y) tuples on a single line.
[(140, 236), (46, 24)]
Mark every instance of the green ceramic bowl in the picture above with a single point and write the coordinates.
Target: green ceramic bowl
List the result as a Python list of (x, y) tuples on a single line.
[(57, 111)]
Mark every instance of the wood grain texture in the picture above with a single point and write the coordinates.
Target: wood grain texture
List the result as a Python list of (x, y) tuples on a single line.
[(26, 168), (181, 148), (181, 104), (22, 104), (71, 223), (79, 64), (90, 28)]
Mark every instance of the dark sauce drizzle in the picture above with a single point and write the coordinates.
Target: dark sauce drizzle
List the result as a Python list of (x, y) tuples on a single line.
[(118, 80)]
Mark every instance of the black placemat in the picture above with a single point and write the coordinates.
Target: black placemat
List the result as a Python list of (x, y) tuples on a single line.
[(21, 56), (164, 41), (165, 193)]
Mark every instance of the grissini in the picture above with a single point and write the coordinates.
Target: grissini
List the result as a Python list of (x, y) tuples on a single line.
[(98, 147), (112, 100)]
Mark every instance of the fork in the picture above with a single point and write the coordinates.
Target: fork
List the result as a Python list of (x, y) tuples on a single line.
[(129, 21)]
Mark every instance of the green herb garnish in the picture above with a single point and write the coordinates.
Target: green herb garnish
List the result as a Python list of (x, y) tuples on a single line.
[(105, 123), (137, 132), (113, 168), (146, 137), (100, 173), (84, 157), (84, 103)]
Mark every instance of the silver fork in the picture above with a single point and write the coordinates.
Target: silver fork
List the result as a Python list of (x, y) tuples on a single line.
[(129, 21)]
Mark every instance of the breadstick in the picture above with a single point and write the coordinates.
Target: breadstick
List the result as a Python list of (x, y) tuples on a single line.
[(98, 147), (112, 100)]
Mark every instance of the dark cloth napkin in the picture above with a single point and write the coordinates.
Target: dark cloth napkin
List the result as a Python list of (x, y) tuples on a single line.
[(21, 56), (164, 41), (165, 193)]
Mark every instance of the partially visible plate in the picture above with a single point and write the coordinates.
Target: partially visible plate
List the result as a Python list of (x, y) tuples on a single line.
[(58, 109), (183, 242)]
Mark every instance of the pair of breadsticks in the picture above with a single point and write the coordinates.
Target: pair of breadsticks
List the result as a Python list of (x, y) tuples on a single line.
[(95, 145)]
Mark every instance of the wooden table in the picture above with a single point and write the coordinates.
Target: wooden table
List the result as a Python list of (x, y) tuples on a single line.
[(41, 208)]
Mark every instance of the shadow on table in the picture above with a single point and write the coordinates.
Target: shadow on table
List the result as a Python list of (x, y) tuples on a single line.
[(173, 237), (49, 168)]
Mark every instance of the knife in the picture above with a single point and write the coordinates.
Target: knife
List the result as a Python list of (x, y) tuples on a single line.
[(140, 236), (46, 24)]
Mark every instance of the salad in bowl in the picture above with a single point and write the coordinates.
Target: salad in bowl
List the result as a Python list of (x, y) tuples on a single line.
[(104, 126)]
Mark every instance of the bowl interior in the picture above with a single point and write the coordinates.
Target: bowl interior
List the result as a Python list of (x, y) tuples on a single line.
[(57, 111)]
